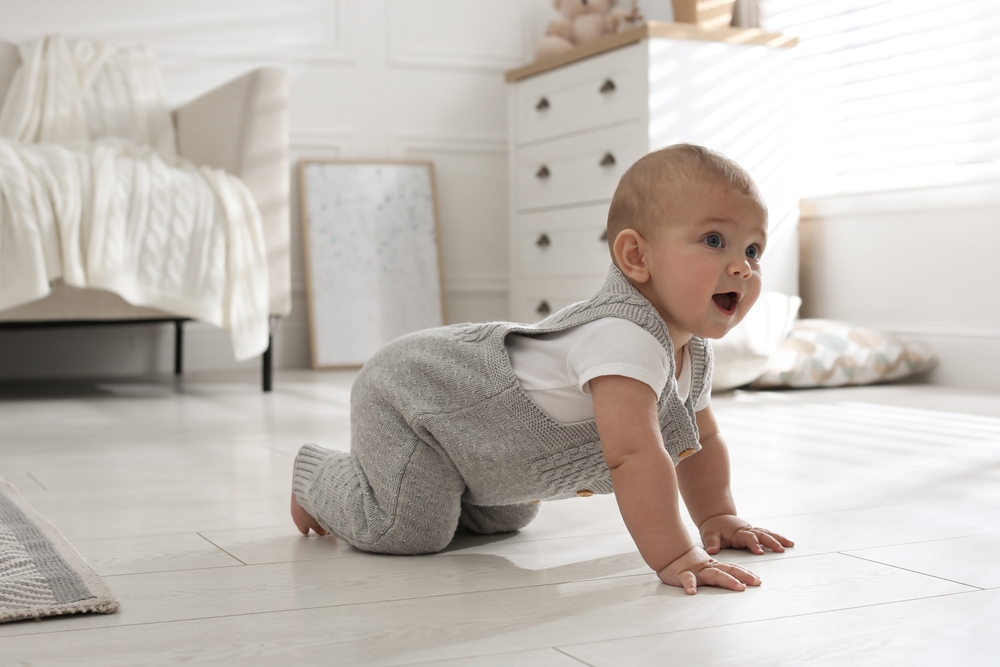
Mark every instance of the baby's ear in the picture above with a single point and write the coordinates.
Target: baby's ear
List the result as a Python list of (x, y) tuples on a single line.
[(630, 256)]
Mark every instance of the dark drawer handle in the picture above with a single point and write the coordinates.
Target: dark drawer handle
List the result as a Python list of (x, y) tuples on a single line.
[(608, 87), (543, 104), (543, 308), (604, 236), (543, 241), (543, 172), (608, 160)]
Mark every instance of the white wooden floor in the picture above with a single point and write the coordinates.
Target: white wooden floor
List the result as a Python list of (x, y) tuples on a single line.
[(180, 500)]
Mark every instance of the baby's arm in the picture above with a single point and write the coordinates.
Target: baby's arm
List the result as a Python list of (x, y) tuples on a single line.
[(646, 487), (703, 479)]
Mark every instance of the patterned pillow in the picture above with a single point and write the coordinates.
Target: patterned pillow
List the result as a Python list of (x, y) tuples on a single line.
[(826, 353)]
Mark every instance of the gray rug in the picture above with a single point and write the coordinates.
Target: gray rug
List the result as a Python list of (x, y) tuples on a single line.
[(40, 573)]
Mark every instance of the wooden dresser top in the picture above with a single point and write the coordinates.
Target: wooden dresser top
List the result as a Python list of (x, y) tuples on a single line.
[(649, 30)]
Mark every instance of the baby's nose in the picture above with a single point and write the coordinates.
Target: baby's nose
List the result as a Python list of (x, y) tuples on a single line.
[(741, 268)]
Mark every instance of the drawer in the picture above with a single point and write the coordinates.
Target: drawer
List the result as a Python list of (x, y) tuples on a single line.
[(586, 95), (578, 169), (536, 300), (563, 242)]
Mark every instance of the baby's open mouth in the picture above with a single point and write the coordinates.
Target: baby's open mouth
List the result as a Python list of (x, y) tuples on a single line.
[(726, 301)]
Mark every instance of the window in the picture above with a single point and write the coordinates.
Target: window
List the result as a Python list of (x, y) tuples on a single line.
[(894, 94)]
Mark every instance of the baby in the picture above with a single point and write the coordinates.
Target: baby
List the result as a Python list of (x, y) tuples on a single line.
[(473, 425)]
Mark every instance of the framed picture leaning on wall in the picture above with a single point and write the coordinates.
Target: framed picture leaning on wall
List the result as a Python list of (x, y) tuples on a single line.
[(372, 256)]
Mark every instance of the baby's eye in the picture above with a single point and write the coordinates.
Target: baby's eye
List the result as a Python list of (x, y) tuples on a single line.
[(753, 252), (713, 241)]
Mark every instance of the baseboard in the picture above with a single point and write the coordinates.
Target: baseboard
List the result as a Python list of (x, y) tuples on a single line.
[(965, 359)]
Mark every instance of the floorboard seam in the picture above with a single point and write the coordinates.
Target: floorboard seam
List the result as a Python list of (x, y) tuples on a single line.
[(572, 657), (35, 479), (239, 560), (906, 569)]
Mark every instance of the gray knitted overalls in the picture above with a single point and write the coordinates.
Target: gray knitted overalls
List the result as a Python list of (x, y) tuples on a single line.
[(442, 434)]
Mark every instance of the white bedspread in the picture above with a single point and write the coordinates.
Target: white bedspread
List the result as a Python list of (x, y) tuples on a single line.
[(92, 192)]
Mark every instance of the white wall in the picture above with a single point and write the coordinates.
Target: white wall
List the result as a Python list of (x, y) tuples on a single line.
[(370, 79), (921, 264)]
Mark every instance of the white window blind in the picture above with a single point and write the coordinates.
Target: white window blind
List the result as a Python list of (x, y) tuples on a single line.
[(894, 94)]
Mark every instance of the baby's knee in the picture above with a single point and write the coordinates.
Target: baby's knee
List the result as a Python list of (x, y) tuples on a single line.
[(497, 519), (407, 544)]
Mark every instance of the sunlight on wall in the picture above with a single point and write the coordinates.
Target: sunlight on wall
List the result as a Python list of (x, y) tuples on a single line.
[(895, 94)]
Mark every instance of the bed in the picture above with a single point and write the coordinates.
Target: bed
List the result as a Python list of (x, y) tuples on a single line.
[(240, 127)]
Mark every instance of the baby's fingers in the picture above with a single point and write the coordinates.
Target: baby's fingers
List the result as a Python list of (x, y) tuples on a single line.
[(773, 541), (748, 538), (755, 539), (689, 582), (741, 574), (714, 576), (781, 539), (713, 543)]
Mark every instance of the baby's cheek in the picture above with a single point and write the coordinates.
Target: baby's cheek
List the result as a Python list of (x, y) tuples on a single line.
[(752, 293)]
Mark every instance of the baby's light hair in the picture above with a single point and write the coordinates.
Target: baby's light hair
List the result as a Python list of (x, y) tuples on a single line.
[(648, 188)]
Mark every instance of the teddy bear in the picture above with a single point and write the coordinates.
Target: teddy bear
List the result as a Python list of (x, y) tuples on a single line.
[(579, 22)]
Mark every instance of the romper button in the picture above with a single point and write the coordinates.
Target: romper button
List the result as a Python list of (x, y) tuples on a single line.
[(584, 493), (686, 453)]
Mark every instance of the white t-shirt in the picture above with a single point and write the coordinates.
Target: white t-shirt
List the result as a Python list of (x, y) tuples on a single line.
[(555, 369)]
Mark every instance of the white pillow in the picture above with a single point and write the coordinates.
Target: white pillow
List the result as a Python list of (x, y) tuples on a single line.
[(743, 354)]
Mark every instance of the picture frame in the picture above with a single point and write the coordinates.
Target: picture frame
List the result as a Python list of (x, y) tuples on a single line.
[(372, 255)]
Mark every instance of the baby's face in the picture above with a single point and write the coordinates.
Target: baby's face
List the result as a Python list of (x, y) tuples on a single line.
[(704, 262)]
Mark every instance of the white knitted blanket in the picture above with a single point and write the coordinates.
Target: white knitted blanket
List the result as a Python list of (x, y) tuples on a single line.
[(91, 191)]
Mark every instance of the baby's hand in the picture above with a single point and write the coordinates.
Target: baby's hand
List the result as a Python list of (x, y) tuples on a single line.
[(697, 567), (730, 531)]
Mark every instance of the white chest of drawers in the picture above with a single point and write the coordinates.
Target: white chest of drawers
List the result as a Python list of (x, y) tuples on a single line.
[(576, 127)]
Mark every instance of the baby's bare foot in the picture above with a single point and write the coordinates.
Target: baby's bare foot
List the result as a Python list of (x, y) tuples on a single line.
[(303, 521)]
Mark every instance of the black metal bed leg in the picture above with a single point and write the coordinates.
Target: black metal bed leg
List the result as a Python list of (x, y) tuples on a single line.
[(178, 347), (267, 363)]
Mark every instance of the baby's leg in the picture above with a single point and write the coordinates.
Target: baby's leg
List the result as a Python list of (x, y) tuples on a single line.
[(394, 493), (496, 519), (409, 512)]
